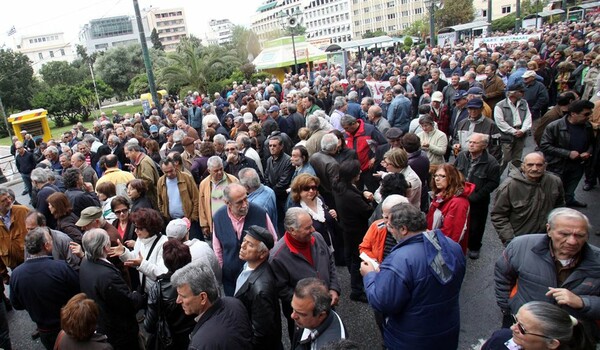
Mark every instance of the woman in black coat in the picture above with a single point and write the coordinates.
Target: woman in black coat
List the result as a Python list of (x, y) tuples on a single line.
[(136, 191), (162, 301), (354, 208)]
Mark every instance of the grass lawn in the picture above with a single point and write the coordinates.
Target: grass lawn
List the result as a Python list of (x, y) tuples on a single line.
[(56, 132)]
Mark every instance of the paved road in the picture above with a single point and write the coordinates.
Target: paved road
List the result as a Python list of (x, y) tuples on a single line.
[(479, 314)]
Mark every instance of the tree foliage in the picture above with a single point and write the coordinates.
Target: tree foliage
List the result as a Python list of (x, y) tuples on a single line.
[(61, 73), (119, 65), (245, 42), (454, 12), (370, 34), (16, 80), (418, 28), (156, 44)]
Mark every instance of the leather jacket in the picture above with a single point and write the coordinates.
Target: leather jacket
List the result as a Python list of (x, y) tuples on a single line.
[(179, 322)]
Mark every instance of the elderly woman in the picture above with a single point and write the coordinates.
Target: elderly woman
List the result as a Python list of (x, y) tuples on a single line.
[(61, 209), (78, 320), (396, 161), (106, 191), (433, 141), (299, 159), (543, 326), (147, 252), (343, 153), (449, 210), (153, 150), (162, 300), (136, 191), (305, 194)]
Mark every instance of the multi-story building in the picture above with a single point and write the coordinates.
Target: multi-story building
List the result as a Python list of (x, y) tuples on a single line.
[(170, 25), (390, 16), (45, 48), (324, 20), (221, 31), (103, 33), (500, 8)]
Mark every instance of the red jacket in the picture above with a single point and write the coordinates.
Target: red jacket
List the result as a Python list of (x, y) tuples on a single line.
[(359, 141), (454, 221), (373, 243)]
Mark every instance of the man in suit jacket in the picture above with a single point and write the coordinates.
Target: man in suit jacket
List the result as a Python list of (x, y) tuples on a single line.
[(255, 287)]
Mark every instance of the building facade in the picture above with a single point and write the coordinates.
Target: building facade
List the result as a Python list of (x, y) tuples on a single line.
[(390, 16), (500, 8), (45, 48), (104, 33), (170, 25), (221, 31)]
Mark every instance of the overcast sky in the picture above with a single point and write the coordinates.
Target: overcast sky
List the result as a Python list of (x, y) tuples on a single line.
[(35, 17)]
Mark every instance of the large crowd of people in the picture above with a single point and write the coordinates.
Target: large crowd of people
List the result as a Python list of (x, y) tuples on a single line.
[(219, 215)]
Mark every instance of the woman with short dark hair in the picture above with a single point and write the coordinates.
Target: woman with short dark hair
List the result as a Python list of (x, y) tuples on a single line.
[(78, 319), (136, 191), (61, 209)]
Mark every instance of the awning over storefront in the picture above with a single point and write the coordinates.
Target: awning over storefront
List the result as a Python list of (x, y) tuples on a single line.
[(279, 53)]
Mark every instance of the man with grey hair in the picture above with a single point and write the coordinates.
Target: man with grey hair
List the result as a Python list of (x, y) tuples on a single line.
[(278, 175), (237, 161), (88, 173), (12, 231), (245, 147), (326, 167), (313, 144), (51, 155), (340, 106), (102, 282), (39, 179), (211, 193), (353, 108), (42, 285), (61, 249), (25, 164), (223, 322), (143, 167), (290, 265), (564, 265), (400, 110), (219, 142), (258, 193), (435, 266), (178, 136)]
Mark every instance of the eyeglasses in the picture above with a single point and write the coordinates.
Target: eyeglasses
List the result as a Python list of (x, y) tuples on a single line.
[(309, 188), (122, 211), (230, 149), (440, 176), (524, 332)]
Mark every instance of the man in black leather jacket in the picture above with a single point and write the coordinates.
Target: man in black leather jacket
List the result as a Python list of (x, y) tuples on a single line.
[(255, 287)]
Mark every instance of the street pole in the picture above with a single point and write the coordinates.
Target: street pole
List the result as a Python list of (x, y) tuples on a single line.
[(147, 61), (432, 24), (518, 19), (294, 48), (489, 17), (95, 89)]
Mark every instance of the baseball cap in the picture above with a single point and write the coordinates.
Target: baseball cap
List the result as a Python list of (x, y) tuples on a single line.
[(475, 103), (88, 215), (393, 133), (529, 74), (177, 228), (516, 87), (153, 128), (437, 97), (459, 95), (248, 118), (187, 141), (273, 109), (475, 90), (261, 234)]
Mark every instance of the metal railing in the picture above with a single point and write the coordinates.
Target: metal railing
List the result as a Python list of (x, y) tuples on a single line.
[(9, 167)]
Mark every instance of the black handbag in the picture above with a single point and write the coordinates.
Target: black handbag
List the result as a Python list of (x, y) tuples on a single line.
[(164, 338)]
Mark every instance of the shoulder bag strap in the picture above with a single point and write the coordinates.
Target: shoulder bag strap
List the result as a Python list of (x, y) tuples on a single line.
[(148, 258)]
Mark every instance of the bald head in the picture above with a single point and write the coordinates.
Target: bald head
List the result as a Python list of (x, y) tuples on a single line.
[(374, 113)]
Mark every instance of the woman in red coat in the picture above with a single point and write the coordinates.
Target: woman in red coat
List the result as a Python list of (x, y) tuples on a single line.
[(449, 210)]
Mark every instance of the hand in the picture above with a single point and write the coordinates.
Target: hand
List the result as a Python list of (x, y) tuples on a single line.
[(456, 147), (585, 155), (76, 249), (130, 243), (135, 262), (116, 251), (564, 296), (206, 232), (366, 267), (335, 297), (573, 154), (368, 195), (371, 163), (333, 213), (88, 187), (425, 145), (231, 158), (519, 134)]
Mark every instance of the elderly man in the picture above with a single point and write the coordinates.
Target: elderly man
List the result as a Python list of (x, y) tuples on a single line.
[(258, 193), (223, 322), (481, 169), (211, 193), (178, 196), (60, 241), (255, 287), (432, 270), (39, 178), (42, 285), (400, 110), (326, 167), (237, 161), (513, 118), (101, 281), (567, 144), (316, 323), (340, 106), (459, 111), (25, 164), (188, 130), (301, 253), (229, 225), (115, 175), (536, 94), (278, 176), (89, 174), (12, 233), (143, 167), (477, 123), (375, 117), (190, 153), (525, 198), (559, 267), (313, 144), (245, 147), (493, 86), (51, 155)]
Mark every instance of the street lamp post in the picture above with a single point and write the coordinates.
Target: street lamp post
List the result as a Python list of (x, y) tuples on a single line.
[(430, 4), (291, 21)]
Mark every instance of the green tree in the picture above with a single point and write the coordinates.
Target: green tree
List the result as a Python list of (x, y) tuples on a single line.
[(297, 30), (118, 66), (245, 42), (16, 81), (370, 34), (505, 23), (418, 28), (156, 44), (60, 72), (454, 12)]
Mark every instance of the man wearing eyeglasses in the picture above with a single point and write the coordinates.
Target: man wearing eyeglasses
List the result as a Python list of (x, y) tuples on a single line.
[(567, 144), (559, 267)]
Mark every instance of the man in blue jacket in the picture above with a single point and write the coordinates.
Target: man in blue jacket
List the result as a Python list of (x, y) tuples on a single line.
[(416, 283)]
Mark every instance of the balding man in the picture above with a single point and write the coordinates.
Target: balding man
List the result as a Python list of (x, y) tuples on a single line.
[(229, 225), (375, 116), (525, 198)]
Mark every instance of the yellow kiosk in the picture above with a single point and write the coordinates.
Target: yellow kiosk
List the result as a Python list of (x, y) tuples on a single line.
[(35, 122), (147, 102)]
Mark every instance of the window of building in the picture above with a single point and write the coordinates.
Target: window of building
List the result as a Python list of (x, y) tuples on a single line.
[(378, 18), (484, 13), (418, 10), (62, 52), (390, 4), (404, 13), (391, 28), (391, 16), (506, 9), (367, 20), (51, 53), (356, 12), (356, 23), (366, 9), (41, 55)]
